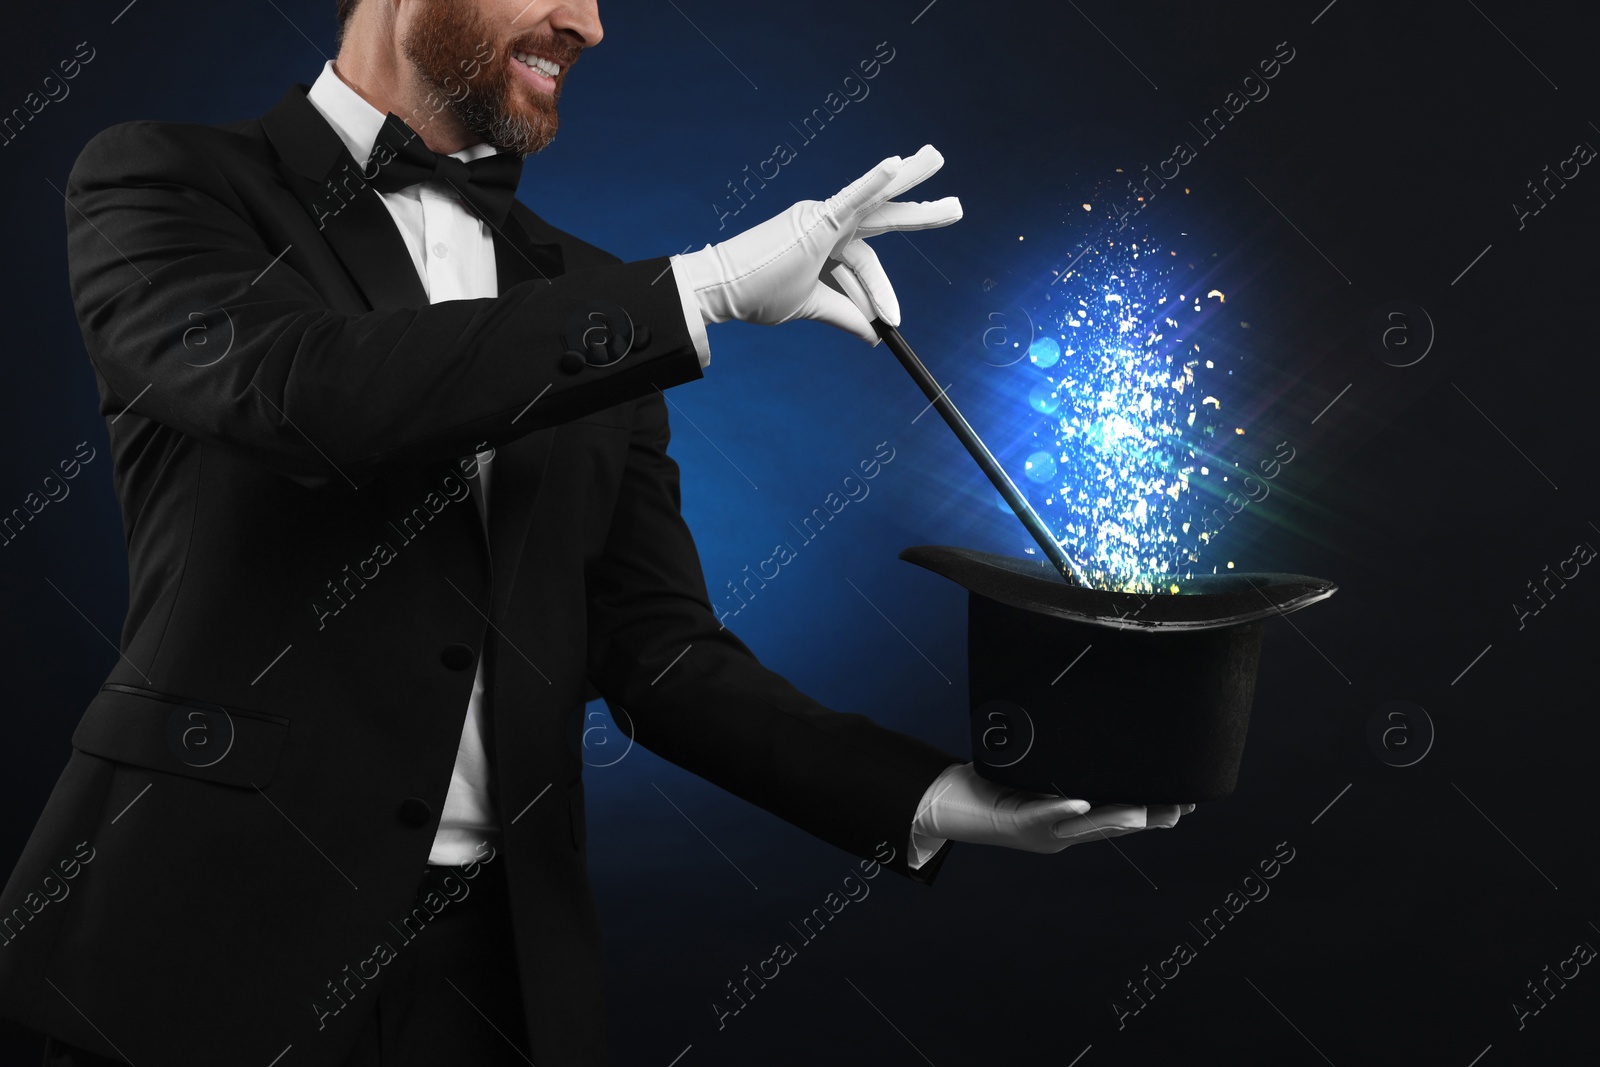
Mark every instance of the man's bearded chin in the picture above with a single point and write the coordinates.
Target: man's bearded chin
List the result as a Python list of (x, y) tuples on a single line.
[(447, 41)]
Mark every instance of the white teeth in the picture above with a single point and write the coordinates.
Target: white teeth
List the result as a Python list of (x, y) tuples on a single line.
[(538, 63)]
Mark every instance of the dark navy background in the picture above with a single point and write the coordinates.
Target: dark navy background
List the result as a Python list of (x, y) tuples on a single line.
[(1418, 905)]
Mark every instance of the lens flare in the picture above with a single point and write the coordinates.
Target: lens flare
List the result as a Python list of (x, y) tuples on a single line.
[(1041, 468), (1044, 352), (1043, 399)]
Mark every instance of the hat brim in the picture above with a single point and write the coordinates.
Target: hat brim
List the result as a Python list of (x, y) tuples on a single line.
[(1204, 602)]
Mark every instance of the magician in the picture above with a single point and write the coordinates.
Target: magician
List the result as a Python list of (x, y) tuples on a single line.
[(391, 457)]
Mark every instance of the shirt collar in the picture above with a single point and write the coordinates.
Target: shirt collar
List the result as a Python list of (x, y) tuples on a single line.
[(357, 122)]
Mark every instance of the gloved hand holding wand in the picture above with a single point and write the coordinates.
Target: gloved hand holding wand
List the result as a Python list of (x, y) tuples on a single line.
[(812, 261)]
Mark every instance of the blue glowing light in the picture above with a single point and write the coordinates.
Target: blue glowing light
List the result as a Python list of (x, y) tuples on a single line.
[(1040, 467), (1043, 399), (1044, 352), (1120, 466)]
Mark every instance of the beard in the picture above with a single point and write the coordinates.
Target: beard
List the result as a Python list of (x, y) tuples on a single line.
[(490, 100)]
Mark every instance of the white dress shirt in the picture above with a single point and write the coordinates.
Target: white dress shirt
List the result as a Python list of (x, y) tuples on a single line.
[(453, 252)]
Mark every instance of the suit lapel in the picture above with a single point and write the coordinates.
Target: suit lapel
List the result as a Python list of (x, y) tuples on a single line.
[(523, 250), (324, 177), (521, 255)]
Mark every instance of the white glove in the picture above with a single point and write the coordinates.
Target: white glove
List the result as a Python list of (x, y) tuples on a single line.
[(811, 261), (961, 806)]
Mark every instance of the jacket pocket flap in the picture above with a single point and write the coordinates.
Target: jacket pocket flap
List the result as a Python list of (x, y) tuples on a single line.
[(232, 746)]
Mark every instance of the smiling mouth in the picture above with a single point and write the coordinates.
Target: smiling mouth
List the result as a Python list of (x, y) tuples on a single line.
[(538, 72), (548, 67)]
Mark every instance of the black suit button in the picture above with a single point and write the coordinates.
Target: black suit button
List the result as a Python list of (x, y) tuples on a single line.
[(457, 657), (617, 347), (572, 361), (414, 811)]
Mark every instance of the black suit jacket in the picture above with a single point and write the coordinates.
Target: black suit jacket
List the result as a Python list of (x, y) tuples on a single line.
[(252, 795)]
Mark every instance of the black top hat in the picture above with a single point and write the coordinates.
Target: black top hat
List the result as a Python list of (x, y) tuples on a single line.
[(1110, 696)]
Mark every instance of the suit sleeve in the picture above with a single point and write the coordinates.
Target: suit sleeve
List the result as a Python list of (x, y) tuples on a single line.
[(697, 696), (157, 236)]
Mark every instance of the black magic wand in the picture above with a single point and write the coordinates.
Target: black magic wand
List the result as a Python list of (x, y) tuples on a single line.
[(979, 451)]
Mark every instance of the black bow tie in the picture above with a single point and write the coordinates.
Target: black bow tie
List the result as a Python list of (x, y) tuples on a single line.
[(400, 159)]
